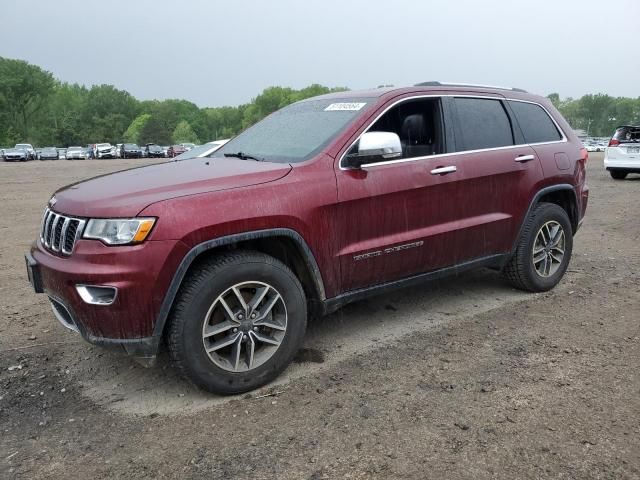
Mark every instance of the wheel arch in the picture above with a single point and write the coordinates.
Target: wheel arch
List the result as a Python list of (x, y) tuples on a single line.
[(563, 195), (284, 244)]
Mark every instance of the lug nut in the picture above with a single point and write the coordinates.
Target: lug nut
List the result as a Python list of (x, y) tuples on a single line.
[(255, 329), (240, 316), (235, 330), (253, 315), (244, 338)]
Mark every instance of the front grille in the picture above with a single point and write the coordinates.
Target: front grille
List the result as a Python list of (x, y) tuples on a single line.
[(60, 233)]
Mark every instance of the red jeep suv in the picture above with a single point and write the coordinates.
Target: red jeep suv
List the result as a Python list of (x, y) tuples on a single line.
[(324, 202)]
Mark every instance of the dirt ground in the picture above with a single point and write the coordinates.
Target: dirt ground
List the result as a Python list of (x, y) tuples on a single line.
[(466, 378)]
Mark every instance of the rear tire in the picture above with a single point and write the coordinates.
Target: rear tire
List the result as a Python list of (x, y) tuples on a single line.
[(544, 250), (213, 340), (618, 175)]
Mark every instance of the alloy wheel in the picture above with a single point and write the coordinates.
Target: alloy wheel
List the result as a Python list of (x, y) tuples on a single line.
[(244, 326), (548, 249)]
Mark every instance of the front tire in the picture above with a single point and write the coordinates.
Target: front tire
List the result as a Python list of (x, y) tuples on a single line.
[(544, 250), (237, 323), (618, 175)]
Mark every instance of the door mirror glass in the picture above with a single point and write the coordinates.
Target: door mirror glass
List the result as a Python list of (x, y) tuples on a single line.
[(374, 147)]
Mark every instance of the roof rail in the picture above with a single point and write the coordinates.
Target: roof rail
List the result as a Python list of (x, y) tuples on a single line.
[(452, 84)]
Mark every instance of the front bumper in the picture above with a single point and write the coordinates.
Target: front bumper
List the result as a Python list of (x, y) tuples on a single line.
[(140, 273)]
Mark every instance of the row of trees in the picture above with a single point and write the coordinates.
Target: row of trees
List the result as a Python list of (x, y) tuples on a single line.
[(600, 114), (37, 108)]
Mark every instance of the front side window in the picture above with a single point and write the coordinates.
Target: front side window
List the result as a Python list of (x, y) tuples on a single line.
[(419, 125), (534, 122), (297, 132), (483, 123)]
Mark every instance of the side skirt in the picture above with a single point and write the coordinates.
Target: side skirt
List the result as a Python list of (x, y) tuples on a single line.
[(330, 305)]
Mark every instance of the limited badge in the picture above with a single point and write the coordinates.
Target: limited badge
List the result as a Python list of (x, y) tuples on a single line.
[(344, 106)]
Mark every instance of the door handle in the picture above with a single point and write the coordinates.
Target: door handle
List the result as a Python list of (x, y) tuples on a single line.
[(443, 170), (525, 158)]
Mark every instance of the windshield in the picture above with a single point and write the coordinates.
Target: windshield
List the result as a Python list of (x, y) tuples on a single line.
[(103, 145), (49, 150), (297, 132), (74, 149), (130, 145), (195, 152)]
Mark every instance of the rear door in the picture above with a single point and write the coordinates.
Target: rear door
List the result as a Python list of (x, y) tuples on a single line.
[(496, 173)]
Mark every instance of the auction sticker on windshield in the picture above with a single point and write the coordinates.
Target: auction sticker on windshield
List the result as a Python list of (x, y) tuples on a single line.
[(344, 106)]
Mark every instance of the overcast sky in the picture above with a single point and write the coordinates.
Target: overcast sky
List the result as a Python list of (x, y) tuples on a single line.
[(224, 53)]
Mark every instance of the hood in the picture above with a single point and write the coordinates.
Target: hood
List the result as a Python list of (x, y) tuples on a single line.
[(126, 193)]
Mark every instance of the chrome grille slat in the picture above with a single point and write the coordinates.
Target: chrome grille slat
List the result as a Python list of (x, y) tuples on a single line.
[(47, 228), (59, 233), (52, 233)]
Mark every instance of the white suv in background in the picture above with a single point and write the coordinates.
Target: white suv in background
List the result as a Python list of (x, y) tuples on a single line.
[(105, 150), (622, 156)]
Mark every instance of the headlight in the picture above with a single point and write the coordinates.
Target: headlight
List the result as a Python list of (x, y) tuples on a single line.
[(121, 231)]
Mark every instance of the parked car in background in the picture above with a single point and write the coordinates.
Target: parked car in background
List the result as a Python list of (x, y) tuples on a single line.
[(17, 155), (591, 147), (202, 150), (154, 151), (49, 153), (76, 153), (188, 146), (31, 153), (38, 150), (224, 261), (105, 150), (62, 153), (175, 150), (165, 150), (622, 155), (118, 149), (130, 150)]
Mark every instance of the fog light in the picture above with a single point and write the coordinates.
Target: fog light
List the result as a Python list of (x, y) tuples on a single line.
[(97, 294)]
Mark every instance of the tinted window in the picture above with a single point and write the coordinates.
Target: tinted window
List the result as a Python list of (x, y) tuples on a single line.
[(535, 123), (483, 123)]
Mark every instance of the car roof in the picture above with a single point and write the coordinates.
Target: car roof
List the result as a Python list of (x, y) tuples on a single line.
[(430, 87)]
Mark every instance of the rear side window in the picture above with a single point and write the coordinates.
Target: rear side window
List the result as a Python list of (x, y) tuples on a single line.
[(535, 123), (484, 123)]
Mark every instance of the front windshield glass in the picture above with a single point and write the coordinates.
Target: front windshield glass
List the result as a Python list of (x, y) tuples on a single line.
[(297, 132), (194, 152)]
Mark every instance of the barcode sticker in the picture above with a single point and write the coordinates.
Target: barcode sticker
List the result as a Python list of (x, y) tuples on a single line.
[(344, 106)]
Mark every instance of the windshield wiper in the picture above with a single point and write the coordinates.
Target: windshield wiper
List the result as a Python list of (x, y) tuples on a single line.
[(244, 156)]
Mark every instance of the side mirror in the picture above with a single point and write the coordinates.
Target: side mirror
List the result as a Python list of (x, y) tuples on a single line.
[(375, 147)]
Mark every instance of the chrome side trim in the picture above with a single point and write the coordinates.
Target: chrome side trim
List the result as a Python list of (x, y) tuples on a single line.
[(441, 155)]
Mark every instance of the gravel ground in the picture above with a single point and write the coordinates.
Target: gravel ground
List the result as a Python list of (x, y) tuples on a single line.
[(466, 378)]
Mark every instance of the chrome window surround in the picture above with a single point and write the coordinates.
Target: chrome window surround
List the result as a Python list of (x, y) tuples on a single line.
[(443, 155)]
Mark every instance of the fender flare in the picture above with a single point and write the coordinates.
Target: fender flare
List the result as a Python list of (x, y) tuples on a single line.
[(536, 199), (192, 254)]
